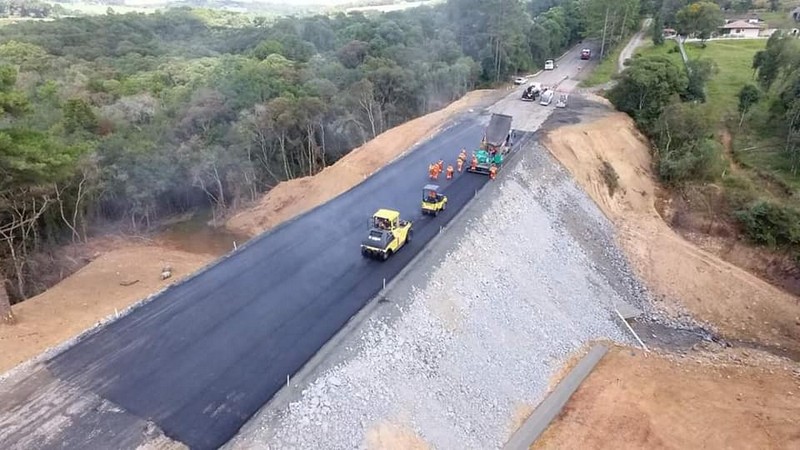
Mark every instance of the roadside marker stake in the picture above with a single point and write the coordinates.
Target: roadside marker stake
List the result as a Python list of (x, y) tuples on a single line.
[(116, 313), (234, 245), (631, 330), (384, 283), (287, 380)]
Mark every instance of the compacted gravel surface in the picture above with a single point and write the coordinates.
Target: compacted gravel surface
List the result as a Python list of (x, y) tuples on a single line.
[(475, 331)]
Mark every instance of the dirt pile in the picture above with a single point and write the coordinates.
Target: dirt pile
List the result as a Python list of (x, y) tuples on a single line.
[(292, 198), (113, 281), (739, 304), (720, 400)]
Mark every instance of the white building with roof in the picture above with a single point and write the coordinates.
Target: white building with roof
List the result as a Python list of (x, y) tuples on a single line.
[(741, 29)]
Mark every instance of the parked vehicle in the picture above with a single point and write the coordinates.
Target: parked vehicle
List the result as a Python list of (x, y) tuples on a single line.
[(547, 98), (530, 93), (562, 101)]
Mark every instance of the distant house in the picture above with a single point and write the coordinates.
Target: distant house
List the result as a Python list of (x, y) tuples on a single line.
[(751, 18), (740, 28)]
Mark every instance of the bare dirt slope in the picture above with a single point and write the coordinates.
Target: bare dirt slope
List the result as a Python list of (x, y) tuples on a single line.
[(292, 198), (709, 400), (89, 295), (740, 305)]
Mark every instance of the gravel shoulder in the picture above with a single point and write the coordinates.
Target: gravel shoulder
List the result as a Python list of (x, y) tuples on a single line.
[(463, 346)]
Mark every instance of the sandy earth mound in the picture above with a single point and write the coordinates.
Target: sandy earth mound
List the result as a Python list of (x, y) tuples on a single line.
[(739, 304), (294, 197), (711, 400), (106, 284)]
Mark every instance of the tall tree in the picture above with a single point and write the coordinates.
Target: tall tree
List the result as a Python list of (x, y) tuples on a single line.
[(748, 96), (610, 20), (6, 313), (646, 86), (700, 19)]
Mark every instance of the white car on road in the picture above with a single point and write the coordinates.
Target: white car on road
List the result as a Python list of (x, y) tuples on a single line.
[(549, 64), (520, 80)]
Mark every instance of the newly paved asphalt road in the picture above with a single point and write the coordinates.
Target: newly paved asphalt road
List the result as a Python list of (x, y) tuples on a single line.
[(200, 359)]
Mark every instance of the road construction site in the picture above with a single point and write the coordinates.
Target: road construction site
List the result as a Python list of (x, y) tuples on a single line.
[(294, 340), (200, 358)]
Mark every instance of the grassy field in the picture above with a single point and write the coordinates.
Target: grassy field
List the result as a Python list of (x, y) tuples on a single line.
[(754, 147), (734, 60)]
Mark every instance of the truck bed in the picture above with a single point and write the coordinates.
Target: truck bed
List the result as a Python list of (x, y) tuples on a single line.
[(498, 129)]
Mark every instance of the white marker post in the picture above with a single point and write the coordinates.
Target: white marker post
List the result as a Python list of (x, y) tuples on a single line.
[(631, 330)]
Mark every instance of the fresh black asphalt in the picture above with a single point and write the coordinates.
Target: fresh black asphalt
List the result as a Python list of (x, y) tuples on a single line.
[(205, 355)]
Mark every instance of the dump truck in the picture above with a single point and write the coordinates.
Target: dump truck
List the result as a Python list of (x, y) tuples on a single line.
[(495, 145), (387, 234)]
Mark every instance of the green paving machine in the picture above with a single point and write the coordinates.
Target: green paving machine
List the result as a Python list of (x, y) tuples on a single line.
[(495, 145)]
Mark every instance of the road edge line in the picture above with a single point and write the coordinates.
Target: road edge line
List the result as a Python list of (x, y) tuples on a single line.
[(554, 403)]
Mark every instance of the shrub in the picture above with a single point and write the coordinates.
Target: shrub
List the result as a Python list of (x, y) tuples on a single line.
[(686, 149), (610, 176), (696, 161), (771, 224)]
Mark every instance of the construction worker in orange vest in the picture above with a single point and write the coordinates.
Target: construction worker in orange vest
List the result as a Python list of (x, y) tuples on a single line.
[(436, 171), (463, 155), (492, 172), (460, 164), (450, 171), (474, 163), (431, 171)]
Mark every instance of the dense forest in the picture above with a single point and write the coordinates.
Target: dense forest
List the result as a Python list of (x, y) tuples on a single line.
[(123, 120)]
